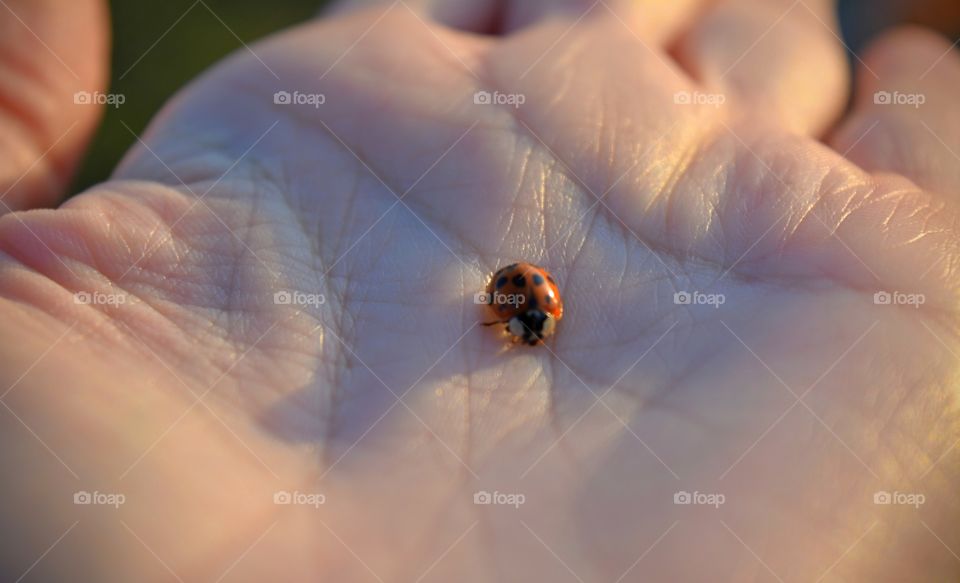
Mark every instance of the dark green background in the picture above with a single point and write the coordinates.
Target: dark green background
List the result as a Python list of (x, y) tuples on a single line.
[(199, 40), (195, 43)]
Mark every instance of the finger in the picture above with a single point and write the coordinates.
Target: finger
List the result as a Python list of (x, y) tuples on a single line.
[(49, 51), (780, 60), (653, 20), (904, 118), (480, 16)]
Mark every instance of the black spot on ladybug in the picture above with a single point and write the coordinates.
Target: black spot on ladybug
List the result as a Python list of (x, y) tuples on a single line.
[(501, 282), (537, 280), (547, 300), (519, 281)]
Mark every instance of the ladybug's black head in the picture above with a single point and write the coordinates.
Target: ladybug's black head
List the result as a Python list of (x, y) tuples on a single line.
[(531, 326)]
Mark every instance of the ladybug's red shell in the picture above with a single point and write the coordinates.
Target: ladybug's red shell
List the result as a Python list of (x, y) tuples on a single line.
[(521, 290)]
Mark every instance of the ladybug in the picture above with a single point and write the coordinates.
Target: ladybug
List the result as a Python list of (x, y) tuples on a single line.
[(526, 299)]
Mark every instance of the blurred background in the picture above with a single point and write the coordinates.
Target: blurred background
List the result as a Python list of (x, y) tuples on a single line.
[(160, 45)]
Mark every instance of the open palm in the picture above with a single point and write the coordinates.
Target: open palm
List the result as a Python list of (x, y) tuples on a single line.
[(262, 332)]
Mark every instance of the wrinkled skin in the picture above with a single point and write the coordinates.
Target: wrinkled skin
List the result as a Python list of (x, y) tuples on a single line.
[(199, 397)]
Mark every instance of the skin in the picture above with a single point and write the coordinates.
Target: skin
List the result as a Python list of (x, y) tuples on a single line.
[(199, 397)]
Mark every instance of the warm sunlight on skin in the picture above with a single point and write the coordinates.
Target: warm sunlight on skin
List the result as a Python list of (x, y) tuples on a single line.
[(281, 369)]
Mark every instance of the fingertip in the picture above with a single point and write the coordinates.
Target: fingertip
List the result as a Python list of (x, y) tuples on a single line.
[(904, 44), (477, 16), (779, 60), (49, 52), (904, 114), (909, 53)]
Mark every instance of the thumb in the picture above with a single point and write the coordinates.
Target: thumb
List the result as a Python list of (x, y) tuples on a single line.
[(51, 52)]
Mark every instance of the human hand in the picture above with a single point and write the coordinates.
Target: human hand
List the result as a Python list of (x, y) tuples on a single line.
[(188, 386)]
